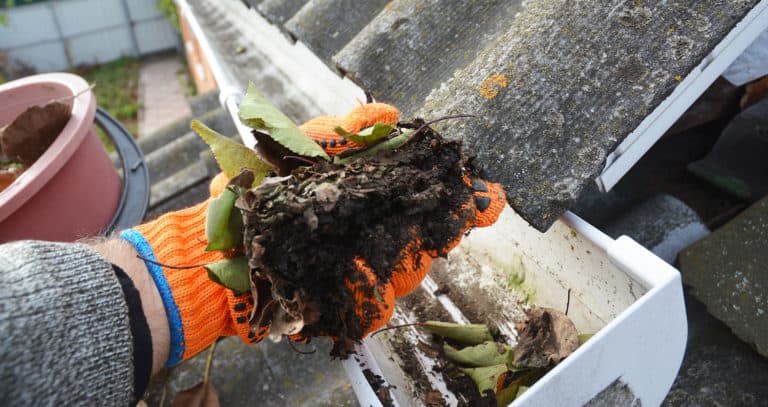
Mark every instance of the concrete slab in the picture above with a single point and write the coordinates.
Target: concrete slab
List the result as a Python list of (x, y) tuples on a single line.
[(267, 374), (160, 94), (718, 368), (727, 271)]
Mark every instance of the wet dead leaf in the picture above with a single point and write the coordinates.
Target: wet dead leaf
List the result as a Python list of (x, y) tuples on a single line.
[(487, 377), (201, 395), (545, 338), (508, 394), (486, 354), (754, 91), (33, 131), (469, 334)]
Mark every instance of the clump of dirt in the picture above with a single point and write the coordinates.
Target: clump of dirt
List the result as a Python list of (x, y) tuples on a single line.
[(380, 387), (421, 304), (303, 232)]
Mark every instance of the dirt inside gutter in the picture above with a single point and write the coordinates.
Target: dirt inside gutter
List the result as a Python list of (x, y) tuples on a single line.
[(483, 296)]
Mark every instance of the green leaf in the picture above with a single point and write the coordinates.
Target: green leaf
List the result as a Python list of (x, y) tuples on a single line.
[(379, 297), (486, 354), (507, 395), (223, 222), (256, 112), (3, 20), (584, 337), (485, 377), (231, 155), (390, 144), (231, 273), (470, 334), (368, 135)]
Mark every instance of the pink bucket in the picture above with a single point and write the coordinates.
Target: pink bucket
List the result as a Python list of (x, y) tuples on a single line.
[(72, 191)]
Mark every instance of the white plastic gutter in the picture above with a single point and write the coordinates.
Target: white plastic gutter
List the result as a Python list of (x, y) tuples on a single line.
[(230, 91), (650, 130)]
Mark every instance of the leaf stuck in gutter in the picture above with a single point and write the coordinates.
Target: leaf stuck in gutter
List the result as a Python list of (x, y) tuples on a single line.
[(469, 334)]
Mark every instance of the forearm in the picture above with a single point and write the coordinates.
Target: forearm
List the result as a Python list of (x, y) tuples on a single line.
[(65, 329), (122, 254)]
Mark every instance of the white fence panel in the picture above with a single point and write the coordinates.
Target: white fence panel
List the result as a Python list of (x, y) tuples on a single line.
[(28, 25), (154, 35), (57, 35), (85, 16)]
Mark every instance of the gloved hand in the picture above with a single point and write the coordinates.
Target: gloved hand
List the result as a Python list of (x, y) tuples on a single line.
[(488, 200), (199, 311)]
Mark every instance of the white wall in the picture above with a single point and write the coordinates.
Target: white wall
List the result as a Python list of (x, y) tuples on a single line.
[(57, 35)]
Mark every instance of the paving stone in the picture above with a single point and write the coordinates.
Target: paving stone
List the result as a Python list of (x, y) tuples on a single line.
[(728, 271), (266, 374), (160, 94), (718, 368)]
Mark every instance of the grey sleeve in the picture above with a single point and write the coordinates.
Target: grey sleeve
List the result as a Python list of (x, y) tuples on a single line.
[(65, 337)]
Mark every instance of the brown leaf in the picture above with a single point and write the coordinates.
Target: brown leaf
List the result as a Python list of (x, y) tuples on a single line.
[(243, 180), (273, 152), (545, 338), (201, 395), (754, 92), (33, 131), (435, 399)]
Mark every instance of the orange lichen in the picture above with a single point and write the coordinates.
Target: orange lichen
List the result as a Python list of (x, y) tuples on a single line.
[(492, 84)]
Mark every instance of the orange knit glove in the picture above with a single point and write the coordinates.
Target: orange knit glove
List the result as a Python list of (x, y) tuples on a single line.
[(488, 200), (199, 311)]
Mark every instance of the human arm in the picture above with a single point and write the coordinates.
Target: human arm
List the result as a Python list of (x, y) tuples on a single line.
[(67, 333)]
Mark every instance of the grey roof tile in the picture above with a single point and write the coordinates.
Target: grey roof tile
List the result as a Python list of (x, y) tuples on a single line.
[(326, 26), (279, 11), (565, 83), (557, 84), (412, 46)]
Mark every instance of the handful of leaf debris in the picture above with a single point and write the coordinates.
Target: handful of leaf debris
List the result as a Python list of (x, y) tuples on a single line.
[(299, 238)]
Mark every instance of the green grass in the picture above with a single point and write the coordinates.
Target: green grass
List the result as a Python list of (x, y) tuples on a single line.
[(117, 90)]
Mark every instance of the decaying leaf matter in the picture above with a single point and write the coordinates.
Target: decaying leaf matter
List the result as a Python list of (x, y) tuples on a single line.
[(30, 134), (303, 232), (545, 338)]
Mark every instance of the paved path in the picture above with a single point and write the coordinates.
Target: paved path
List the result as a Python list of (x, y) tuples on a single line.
[(160, 94)]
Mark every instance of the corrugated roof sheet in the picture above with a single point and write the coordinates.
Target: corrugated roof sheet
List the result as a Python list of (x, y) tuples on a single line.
[(556, 84), (277, 11)]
